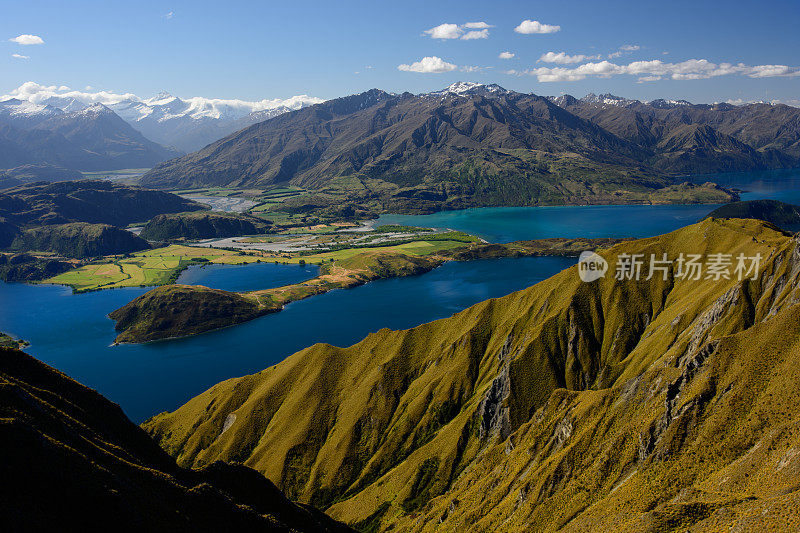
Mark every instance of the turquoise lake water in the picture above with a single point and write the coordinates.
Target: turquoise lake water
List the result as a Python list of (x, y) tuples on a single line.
[(506, 224), (73, 333)]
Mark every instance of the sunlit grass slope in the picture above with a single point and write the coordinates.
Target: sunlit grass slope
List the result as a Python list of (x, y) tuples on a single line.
[(638, 405)]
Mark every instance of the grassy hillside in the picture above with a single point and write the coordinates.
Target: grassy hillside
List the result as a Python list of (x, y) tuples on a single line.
[(78, 240), (646, 405), (27, 267), (202, 225), (179, 310), (72, 461), (95, 202)]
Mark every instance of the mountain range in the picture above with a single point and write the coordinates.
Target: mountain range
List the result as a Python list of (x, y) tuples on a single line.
[(466, 145), (660, 404), (92, 138), (185, 124), (698, 138), (474, 144)]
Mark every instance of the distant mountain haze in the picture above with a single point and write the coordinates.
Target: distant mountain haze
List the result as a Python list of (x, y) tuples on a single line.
[(93, 138), (186, 124)]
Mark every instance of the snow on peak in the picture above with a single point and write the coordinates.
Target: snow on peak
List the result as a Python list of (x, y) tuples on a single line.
[(24, 112), (667, 104), (466, 88), (15, 106), (608, 99), (93, 110), (161, 107), (461, 87)]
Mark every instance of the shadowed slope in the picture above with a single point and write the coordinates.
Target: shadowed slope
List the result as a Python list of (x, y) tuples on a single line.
[(73, 461)]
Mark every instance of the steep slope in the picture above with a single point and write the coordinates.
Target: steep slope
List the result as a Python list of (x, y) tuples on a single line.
[(94, 138), (90, 201), (697, 138), (73, 461), (78, 240), (700, 149), (569, 404)]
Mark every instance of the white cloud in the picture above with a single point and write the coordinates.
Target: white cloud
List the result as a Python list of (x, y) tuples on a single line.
[(465, 32), (169, 15), (428, 65), (20, 56), (624, 49), (562, 58), (768, 71), (692, 69), (27, 39), (445, 31), (740, 101), (534, 26), (475, 34), (506, 55)]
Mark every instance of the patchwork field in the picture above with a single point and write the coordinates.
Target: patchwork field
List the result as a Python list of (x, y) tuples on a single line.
[(151, 267)]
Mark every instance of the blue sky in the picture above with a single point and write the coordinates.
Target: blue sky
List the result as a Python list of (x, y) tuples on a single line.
[(255, 50)]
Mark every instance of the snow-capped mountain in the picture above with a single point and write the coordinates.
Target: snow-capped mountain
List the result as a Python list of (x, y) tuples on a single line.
[(564, 100), (23, 114), (184, 123), (466, 88), (668, 104), (189, 124), (91, 138), (608, 99)]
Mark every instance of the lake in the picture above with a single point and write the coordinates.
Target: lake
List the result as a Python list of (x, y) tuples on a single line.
[(247, 277), (506, 224), (72, 332)]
